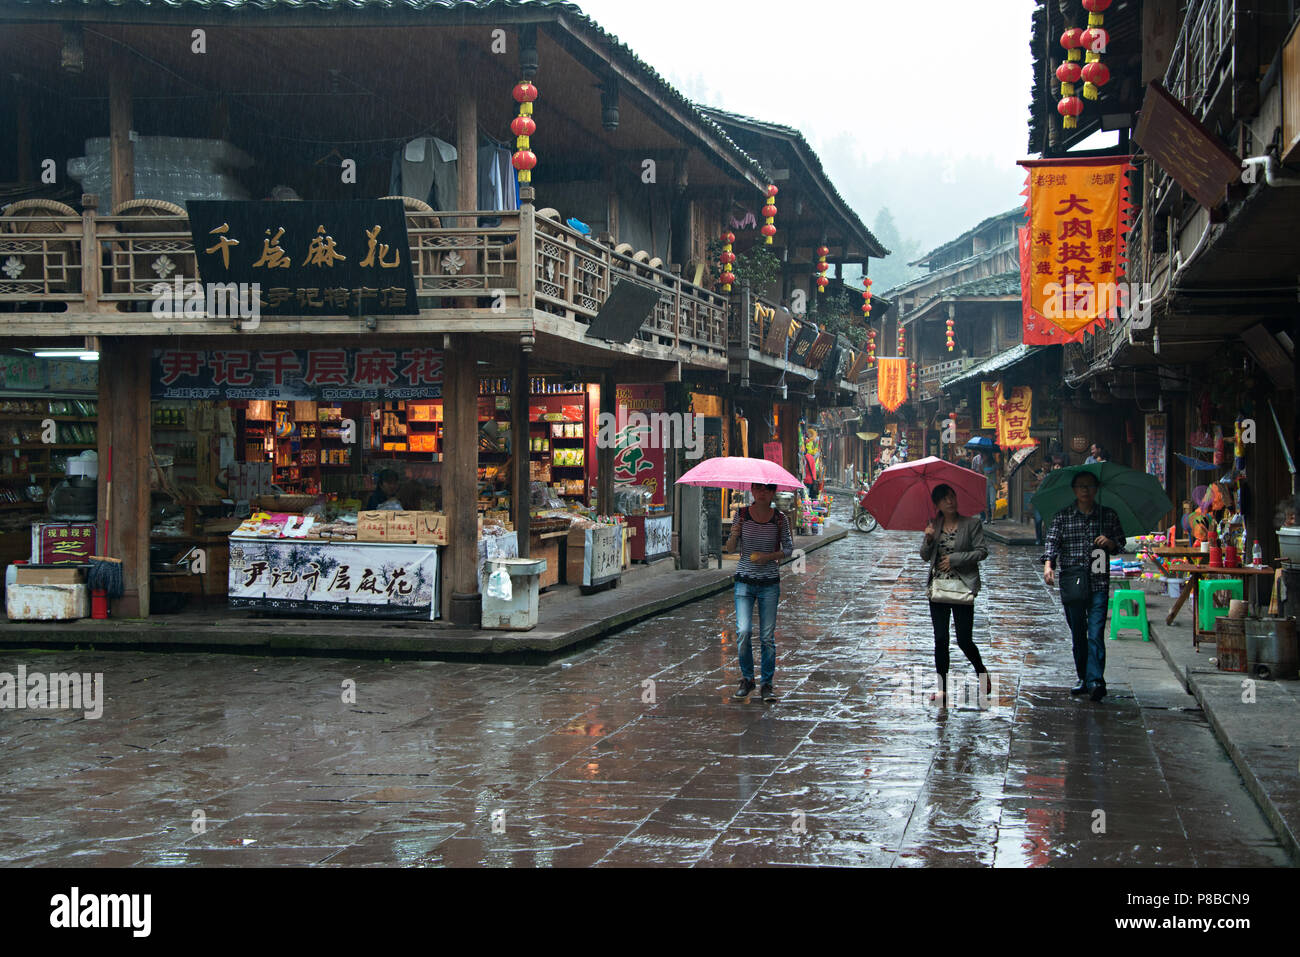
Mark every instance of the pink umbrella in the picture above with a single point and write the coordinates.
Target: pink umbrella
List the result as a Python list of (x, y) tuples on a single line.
[(736, 472), (900, 497)]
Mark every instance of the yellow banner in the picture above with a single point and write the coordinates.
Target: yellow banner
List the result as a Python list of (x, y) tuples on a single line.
[(891, 382), (1078, 222), (1014, 416), (990, 395)]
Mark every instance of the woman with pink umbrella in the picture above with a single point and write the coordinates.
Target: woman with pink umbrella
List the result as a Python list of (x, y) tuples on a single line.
[(944, 500), (762, 534)]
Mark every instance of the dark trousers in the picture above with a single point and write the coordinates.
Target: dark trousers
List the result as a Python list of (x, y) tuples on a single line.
[(964, 616), (1088, 632)]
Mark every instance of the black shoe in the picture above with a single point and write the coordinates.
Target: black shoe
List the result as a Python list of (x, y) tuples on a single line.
[(1098, 690), (1080, 688), (768, 693), (746, 686)]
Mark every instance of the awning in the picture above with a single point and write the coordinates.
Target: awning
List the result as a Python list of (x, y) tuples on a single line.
[(996, 364)]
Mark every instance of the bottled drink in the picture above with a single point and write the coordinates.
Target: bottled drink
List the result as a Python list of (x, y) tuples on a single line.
[(1256, 555)]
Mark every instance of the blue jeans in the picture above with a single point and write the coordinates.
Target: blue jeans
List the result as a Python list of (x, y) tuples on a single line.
[(1088, 630), (765, 596)]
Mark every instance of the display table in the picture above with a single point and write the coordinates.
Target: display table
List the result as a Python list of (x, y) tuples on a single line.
[(1195, 573), (594, 556), (317, 577), (652, 537)]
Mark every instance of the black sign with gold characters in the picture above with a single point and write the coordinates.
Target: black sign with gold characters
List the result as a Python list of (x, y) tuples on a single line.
[(309, 258)]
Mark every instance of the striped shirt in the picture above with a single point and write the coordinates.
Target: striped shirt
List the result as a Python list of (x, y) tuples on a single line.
[(770, 536)]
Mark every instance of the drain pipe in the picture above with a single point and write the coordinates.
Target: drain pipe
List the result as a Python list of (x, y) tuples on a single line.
[(1271, 171)]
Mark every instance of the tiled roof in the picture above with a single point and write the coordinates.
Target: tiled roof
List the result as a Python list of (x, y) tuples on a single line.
[(1004, 284), (571, 14), (1003, 360), (813, 161), (1017, 211)]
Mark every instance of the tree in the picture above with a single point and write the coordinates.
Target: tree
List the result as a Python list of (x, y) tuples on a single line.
[(893, 270)]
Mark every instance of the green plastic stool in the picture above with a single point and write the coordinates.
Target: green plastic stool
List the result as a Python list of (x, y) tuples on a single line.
[(1205, 610), (1120, 619)]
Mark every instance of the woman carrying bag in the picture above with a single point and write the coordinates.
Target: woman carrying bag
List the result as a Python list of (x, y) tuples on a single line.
[(954, 547)]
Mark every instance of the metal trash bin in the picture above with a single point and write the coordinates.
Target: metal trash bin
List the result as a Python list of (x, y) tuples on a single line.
[(519, 611)]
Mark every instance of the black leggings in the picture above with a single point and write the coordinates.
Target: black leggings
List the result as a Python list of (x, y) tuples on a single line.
[(964, 615)]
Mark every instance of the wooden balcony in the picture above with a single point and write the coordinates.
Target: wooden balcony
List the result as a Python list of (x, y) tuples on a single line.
[(98, 267)]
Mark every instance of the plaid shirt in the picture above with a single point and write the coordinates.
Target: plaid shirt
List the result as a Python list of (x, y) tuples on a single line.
[(1070, 540)]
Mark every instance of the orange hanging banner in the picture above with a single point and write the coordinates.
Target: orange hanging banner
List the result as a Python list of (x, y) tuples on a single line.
[(891, 382), (990, 399), (1078, 213), (1014, 415)]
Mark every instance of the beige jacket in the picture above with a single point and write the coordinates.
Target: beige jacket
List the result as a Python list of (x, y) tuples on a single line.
[(969, 551)]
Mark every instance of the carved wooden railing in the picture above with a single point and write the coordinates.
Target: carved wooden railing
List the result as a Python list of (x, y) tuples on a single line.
[(45, 266), (575, 274)]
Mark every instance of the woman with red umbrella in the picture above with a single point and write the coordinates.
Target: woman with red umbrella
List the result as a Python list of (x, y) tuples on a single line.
[(954, 547)]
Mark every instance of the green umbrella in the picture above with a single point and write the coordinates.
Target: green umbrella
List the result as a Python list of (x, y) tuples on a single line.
[(1135, 496)]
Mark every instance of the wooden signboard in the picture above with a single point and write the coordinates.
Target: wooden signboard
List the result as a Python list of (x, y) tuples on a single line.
[(1184, 148), (778, 334), (820, 349)]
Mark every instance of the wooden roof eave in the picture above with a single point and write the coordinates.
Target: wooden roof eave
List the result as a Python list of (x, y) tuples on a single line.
[(589, 53)]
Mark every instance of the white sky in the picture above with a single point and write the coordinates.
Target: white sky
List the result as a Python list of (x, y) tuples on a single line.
[(944, 77)]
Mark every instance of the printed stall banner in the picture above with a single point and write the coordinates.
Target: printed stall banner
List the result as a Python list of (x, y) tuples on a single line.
[(990, 398), (297, 374), (1014, 414), (639, 453), (392, 581), (891, 382), (1157, 447), (1078, 221)]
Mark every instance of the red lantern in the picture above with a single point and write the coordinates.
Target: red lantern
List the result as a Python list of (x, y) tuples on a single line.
[(1070, 107), (525, 92), (524, 160), (823, 251), (1096, 74), (769, 231), (822, 283), (772, 191), (1095, 39), (728, 238), (1096, 6), (523, 126), (727, 279), (769, 211), (1068, 72), (1071, 38), (727, 258)]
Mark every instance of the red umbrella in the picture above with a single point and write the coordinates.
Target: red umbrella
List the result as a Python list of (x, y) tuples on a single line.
[(900, 497)]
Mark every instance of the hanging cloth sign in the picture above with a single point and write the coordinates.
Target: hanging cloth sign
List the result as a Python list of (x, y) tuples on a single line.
[(892, 382), (1037, 331), (1078, 222)]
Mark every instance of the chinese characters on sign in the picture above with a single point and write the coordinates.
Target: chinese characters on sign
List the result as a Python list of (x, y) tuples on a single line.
[(309, 258), (1078, 223), (1014, 414), (302, 374), (59, 544), (639, 456), (990, 396), (386, 580)]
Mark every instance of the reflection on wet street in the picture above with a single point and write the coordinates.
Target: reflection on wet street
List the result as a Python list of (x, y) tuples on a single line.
[(633, 753)]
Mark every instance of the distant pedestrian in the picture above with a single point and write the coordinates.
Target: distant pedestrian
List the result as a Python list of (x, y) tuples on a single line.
[(954, 547), (1053, 464), (762, 535), (1102, 455), (1092, 454), (1081, 540)]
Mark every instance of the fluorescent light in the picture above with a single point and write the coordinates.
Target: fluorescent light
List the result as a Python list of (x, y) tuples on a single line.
[(82, 354)]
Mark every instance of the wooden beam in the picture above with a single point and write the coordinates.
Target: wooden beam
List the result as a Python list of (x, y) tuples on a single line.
[(121, 149), (520, 481), (605, 456), (23, 138), (461, 602), (124, 497)]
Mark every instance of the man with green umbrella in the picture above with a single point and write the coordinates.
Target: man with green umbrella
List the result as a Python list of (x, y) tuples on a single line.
[(1082, 538)]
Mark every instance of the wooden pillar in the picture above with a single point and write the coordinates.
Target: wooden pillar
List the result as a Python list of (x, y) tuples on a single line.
[(124, 497), (462, 604), (605, 456), (121, 150), (466, 139), (520, 482), (23, 138)]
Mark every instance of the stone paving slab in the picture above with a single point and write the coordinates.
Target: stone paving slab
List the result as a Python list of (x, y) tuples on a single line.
[(565, 618), (1262, 736)]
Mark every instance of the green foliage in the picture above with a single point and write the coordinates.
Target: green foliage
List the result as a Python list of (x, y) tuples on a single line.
[(839, 314), (758, 264)]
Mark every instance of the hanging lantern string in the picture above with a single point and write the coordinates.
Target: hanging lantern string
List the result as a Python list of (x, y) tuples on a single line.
[(1095, 39), (523, 126), (769, 215)]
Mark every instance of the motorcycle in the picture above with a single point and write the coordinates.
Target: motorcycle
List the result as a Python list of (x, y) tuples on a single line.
[(863, 520)]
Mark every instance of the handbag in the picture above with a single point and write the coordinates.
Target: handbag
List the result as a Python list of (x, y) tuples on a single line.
[(1076, 585), (950, 591)]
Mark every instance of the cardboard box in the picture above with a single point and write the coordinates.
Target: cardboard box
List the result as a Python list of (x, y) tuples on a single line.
[(373, 526), (402, 526), (29, 575), (430, 528)]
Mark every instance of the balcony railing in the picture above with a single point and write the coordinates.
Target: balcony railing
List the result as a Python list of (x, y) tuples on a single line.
[(111, 264), (1202, 56)]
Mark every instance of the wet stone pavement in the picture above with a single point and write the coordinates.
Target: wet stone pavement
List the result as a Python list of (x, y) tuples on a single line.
[(632, 752)]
